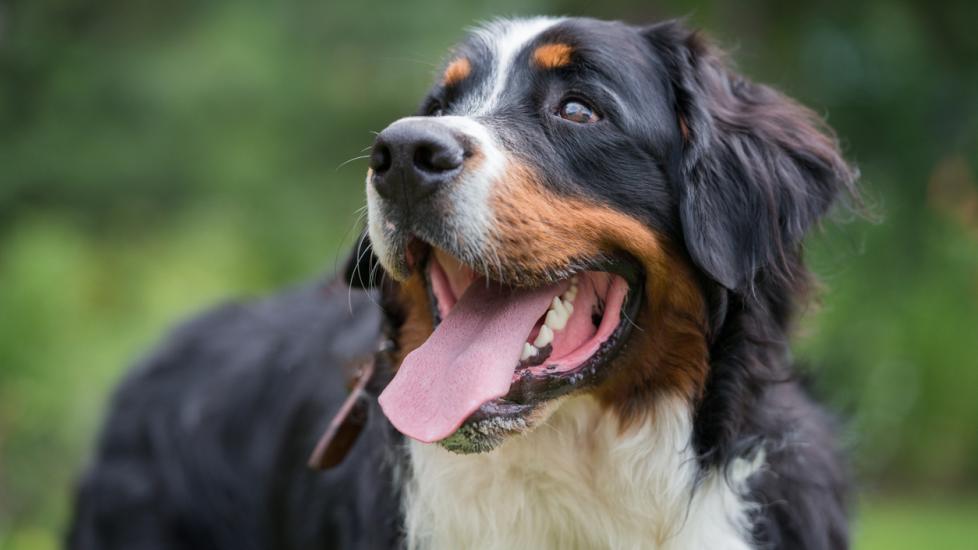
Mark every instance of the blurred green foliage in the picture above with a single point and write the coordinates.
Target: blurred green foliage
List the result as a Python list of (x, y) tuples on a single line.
[(156, 157)]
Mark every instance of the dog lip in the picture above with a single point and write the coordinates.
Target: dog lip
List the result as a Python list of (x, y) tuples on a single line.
[(418, 251)]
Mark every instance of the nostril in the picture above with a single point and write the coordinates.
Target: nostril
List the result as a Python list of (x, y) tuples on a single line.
[(380, 158), (412, 159), (423, 158), (436, 157)]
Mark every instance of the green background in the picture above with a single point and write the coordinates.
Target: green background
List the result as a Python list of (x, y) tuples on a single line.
[(157, 157)]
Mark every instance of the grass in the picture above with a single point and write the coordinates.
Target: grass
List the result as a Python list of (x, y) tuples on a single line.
[(915, 523)]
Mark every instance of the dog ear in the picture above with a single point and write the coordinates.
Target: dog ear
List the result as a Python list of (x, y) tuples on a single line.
[(362, 269), (757, 168)]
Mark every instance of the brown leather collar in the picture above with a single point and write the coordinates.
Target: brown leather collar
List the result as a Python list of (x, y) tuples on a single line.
[(369, 378), (345, 427)]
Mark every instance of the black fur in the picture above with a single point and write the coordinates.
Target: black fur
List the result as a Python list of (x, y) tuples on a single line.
[(759, 170), (205, 443)]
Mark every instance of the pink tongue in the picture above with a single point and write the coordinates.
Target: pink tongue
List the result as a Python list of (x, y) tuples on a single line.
[(469, 360)]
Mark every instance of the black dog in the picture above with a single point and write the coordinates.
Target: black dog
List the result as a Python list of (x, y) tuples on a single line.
[(581, 267)]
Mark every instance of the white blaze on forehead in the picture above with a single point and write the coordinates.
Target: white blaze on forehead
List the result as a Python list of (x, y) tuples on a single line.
[(505, 39)]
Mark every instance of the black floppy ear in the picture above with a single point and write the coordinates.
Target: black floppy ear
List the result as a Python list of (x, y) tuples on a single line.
[(758, 169), (362, 268)]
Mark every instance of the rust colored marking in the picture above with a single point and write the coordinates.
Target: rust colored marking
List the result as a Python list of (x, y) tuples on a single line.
[(418, 324), (540, 232), (552, 56), (457, 71)]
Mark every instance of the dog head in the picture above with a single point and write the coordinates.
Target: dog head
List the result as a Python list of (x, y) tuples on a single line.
[(570, 210)]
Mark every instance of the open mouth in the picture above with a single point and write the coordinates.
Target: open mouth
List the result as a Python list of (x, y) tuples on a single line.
[(499, 352)]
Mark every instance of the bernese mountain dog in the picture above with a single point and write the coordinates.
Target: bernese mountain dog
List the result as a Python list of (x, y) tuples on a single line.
[(566, 325)]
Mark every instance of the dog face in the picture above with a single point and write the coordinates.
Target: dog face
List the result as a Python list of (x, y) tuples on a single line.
[(570, 211)]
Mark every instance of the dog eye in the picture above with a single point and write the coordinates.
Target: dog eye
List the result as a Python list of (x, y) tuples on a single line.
[(576, 110)]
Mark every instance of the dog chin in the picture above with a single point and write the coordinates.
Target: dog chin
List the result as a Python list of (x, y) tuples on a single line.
[(491, 426)]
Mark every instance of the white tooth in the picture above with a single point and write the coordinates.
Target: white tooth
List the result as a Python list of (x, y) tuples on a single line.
[(570, 294), (569, 307), (556, 304), (552, 318), (556, 320), (561, 307), (544, 337), (528, 351)]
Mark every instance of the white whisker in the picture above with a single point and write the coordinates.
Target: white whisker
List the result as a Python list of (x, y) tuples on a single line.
[(348, 161)]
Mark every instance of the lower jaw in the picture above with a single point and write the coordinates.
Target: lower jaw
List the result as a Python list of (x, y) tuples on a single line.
[(489, 426)]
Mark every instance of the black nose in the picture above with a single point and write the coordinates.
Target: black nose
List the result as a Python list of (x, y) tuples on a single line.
[(411, 159)]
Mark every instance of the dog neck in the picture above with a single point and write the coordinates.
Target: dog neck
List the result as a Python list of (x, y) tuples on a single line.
[(579, 481)]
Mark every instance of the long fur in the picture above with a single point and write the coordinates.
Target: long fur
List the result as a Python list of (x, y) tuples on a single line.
[(579, 482)]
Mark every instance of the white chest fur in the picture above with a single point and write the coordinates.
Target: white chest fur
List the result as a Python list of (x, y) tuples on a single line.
[(576, 482)]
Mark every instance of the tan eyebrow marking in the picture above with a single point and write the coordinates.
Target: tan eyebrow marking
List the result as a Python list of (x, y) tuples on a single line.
[(457, 71), (552, 56)]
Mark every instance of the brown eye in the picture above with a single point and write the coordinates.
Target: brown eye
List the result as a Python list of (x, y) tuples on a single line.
[(577, 111)]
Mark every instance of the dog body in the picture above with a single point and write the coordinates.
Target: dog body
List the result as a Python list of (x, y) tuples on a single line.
[(581, 266)]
